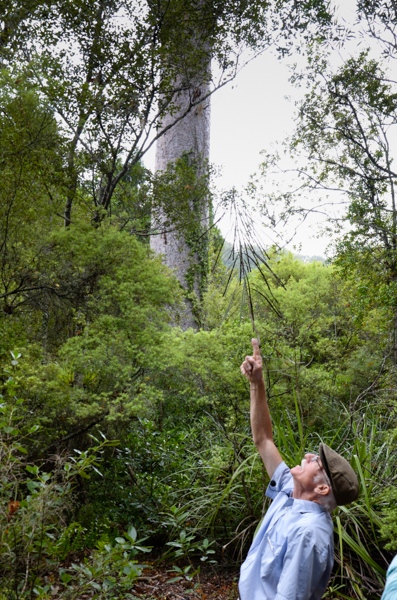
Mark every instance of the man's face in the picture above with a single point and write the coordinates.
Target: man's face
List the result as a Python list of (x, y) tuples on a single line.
[(305, 472)]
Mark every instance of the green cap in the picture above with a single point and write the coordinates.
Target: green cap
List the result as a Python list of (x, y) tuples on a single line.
[(343, 479)]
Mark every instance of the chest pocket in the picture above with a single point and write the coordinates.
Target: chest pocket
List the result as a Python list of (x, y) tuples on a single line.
[(272, 558), (274, 545)]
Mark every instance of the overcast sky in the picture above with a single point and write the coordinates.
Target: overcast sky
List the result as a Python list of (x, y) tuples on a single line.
[(250, 114), (255, 112)]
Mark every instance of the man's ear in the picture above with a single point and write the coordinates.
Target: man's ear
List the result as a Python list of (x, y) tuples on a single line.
[(322, 489)]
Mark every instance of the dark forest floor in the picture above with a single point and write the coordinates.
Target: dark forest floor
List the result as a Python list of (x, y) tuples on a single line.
[(217, 582), (214, 584)]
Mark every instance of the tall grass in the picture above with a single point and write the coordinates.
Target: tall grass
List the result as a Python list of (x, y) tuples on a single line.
[(230, 502)]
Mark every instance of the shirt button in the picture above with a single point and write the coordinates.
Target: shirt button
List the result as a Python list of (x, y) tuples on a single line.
[(272, 483)]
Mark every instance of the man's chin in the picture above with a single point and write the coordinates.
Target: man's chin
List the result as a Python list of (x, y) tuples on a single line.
[(296, 470)]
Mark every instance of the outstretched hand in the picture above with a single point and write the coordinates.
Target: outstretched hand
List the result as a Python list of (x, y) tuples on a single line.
[(252, 365)]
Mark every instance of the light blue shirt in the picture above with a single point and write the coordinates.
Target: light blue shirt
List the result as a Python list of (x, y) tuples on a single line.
[(390, 591), (292, 554)]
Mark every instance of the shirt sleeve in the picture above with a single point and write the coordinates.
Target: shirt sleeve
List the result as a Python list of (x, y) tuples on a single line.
[(305, 568), (280, 481)]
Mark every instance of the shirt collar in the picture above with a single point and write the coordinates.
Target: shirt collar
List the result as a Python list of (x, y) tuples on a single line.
[(304, 506)]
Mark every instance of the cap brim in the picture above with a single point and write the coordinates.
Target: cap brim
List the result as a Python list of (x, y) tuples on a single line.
[(323, 457), (343, 479)]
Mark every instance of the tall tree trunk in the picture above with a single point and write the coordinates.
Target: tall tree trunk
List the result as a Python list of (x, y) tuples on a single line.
[(190, 137)]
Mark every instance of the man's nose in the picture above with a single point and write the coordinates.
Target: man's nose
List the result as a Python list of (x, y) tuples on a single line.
[(309, 456)]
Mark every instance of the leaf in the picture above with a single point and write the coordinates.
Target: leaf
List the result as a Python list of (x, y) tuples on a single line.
[(362, 553), (96, 585), (120, 540), (132, 533), (32, 485), (11, 430), (143, 548), (34, 470), (65, 578), (176, 569), (21, 449)]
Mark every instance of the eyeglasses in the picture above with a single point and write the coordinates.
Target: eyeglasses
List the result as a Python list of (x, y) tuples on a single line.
[(317, 460)]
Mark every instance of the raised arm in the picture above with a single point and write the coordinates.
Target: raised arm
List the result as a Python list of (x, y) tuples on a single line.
[(261, 424)]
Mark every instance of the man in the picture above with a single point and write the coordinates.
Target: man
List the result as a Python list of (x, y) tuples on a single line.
[(291, 556)]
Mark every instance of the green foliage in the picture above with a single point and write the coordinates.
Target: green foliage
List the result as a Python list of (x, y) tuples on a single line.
[(106, 301), (110, 88), (181, 203), (32, 152), (109, 572), (184, 545), (388, 526), (35, 502), (71, 540), (185, 469), (345, 127)]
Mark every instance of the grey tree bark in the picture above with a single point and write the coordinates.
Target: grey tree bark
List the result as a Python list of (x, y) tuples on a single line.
[(189, 136)]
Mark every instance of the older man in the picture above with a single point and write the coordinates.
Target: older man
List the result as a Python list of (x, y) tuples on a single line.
[(291, 556)]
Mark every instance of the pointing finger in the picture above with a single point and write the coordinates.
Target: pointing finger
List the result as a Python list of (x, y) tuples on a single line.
[(255, 347)]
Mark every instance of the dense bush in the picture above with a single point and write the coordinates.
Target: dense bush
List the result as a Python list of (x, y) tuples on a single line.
[(184, 463)]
